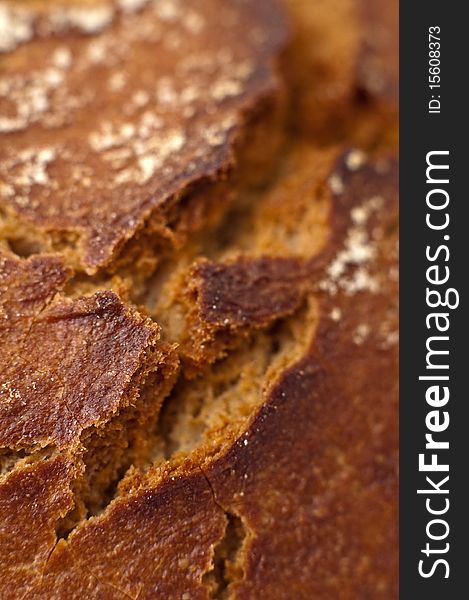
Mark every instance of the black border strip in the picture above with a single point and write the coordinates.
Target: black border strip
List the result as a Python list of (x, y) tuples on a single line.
[(420, 133)]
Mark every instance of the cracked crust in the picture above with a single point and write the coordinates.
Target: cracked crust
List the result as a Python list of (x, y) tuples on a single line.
[(265, 463), (69, 364), (126, 154), (32, 499), (298, 476)]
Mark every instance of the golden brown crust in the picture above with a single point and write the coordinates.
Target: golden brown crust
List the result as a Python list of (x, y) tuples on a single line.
[(68, 363), (265, 465), (158, 545), (317, 504), (319, 501), (115, 157), (32, 500), (26, 288)]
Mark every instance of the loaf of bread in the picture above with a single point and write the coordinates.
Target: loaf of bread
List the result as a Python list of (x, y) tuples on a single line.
[(198, 290)]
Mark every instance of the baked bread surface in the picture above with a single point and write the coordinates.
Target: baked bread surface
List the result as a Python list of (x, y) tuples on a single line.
[(198, 288)]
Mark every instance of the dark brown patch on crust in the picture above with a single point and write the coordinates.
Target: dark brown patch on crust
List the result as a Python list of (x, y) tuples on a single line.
[(228, 300), (26, 287), (247, 290)]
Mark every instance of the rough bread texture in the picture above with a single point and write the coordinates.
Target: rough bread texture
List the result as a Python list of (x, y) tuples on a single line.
[(198, 329), (86, 168)]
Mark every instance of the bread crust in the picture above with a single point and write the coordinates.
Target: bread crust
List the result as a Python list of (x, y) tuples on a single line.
[(118, 157), (298, 475), (61, 384), (245, 446)]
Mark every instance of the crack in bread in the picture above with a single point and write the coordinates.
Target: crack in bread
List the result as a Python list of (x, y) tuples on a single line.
[(64, 381), (145, 491), (198, 388), (85, 376), (239, 461)]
